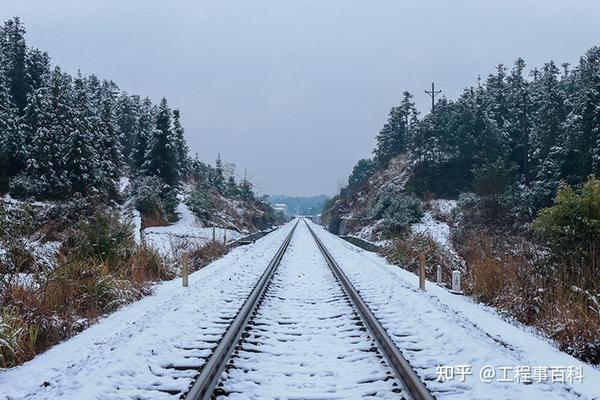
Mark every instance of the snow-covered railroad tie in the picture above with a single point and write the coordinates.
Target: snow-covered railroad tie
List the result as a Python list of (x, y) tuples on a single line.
[(307, 335)]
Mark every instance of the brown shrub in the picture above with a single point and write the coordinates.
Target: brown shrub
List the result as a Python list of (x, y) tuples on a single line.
[(153, 219), (146, 265), (570, 320), (406, 252), (204, 255), (508, 272), (98, 269)]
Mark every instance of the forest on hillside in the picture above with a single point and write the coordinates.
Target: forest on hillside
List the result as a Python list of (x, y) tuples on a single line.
[(63, 137), (85, 168), (518, 134), (519, 152)]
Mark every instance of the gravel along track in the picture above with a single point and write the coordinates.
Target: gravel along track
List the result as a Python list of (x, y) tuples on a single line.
[(306, 341)]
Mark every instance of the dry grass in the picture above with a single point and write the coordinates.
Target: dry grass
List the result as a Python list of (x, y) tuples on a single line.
[(17, 338), (153, 219), (511, 274), (99, 268), (406, 252), (204, 255)]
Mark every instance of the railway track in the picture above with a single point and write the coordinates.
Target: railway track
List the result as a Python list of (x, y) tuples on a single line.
[(268, 337)]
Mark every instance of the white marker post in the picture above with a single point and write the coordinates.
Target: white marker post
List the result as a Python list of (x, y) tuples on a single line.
[(439, 274), (456, 282), (422, 272)]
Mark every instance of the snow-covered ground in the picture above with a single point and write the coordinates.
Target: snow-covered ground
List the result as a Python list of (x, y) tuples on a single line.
[(305, 341), (127, 354), (438, 231), (186, 233), (439, 328)]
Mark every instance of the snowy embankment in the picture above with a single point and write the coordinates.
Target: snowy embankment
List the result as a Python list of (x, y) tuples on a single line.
[(439, 231), (185, 234), (436, 327), (127, 354)]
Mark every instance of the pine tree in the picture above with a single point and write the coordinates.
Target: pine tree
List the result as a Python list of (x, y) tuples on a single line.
[(14, 49), (49, 131), (360, 173), (145, 130), (128, 110), (586, 122), (111, 165), (394, 136), (181, 145), (496, 93), (44, 168), (547, 126), (232, 189), (38, 68), (246, 193), (161, 158), (519, 106), (218, 177), (82, 158), (11, 153)]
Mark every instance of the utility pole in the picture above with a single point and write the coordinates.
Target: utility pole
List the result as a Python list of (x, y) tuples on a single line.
[(432, 93)]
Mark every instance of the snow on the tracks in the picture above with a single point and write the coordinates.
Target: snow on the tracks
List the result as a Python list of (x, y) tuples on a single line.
[(438, 328), (127, 354), (305, 341)]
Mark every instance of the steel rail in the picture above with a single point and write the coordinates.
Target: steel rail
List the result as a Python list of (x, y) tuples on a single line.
[(210, 374), (407, 375)]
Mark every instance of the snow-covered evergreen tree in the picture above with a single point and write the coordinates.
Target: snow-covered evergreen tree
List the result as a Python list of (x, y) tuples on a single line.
[(48, 124), (180, 143), (246, 192), (394, 136), (9, 133), (547, 130), (161, 158), (232, 190), (128, 110), (519, 106), (81, 157), (585, 125), (111, 161), (145, 129), (218, 176), (14, 55)]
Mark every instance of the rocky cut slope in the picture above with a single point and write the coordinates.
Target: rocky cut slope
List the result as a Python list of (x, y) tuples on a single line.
[(351, 213)]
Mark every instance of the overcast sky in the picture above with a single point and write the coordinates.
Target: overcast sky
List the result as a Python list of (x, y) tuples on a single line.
[(295, 91)]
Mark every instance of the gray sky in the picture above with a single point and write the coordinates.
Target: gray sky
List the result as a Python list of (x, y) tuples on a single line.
[(295, 91)]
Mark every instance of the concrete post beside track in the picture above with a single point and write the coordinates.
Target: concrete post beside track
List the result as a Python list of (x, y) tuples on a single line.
[(422, 272), (185, 270)]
